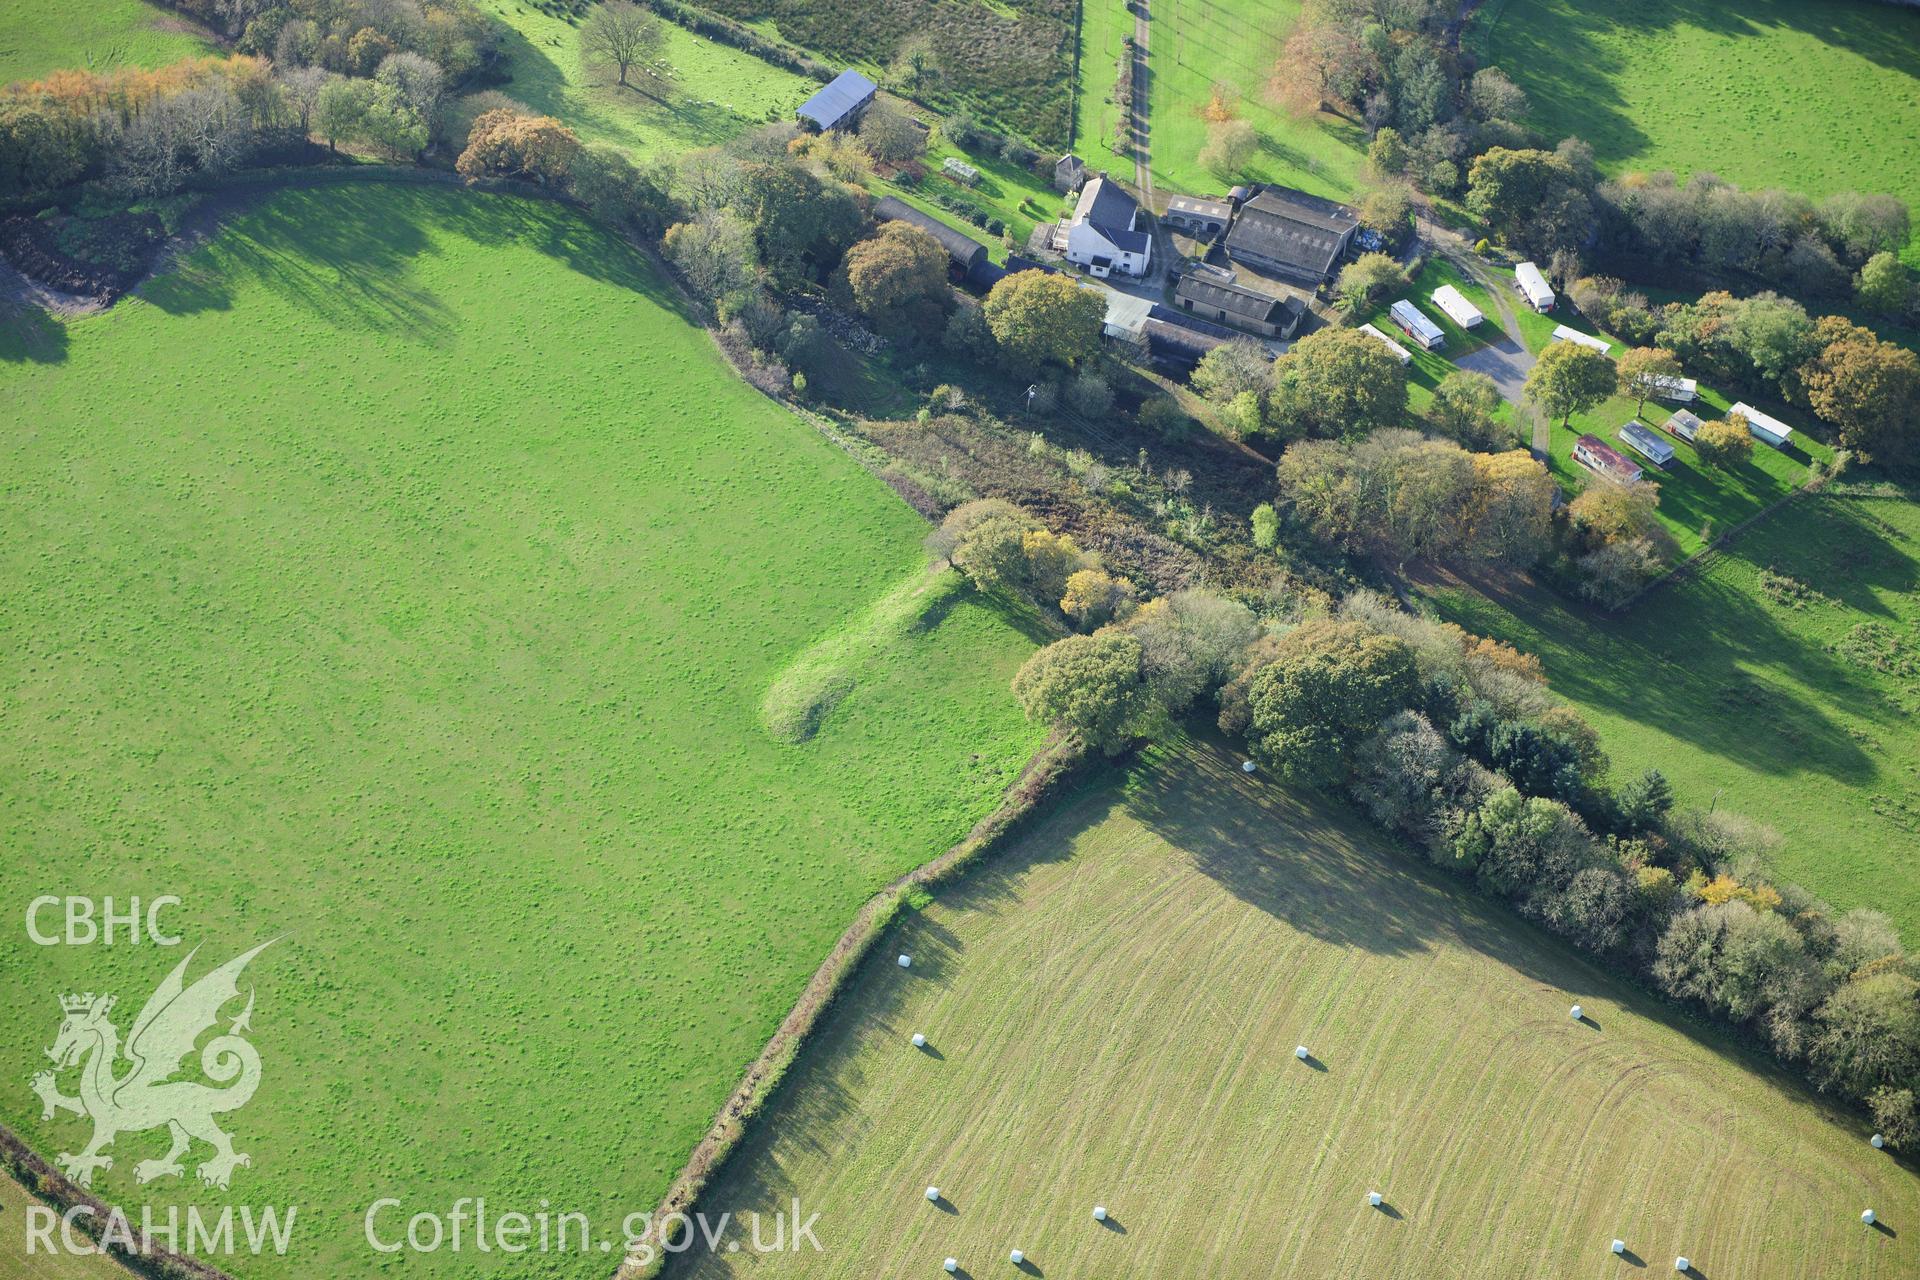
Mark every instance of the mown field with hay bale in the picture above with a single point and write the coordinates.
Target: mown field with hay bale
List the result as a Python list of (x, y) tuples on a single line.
[(1814, 98), (403, 577), (1111, 1008), (1782, 682)]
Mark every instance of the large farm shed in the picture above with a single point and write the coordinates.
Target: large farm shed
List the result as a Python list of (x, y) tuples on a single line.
[(840, 103), (1292, 234)]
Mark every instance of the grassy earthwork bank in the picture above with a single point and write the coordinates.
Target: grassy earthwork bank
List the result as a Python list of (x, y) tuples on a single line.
[(405, 577), (1197, 45), (1111, 1007), (718, 91), (1791, 701), (38, 36), (1815, 98)]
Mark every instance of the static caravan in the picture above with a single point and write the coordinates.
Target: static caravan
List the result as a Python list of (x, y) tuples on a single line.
[(1639, 437), (1676, 390), (1595, 454), (1534, 287), (1561, 333), (1455, 306), (1684, 424), (1417, 326), (1763, 426), (1400, 353)]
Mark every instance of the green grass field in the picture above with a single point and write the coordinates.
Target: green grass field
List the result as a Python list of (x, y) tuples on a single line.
[(1111, 1006), (1197, 44), (405, 575), (1769, 710), (719, 93), (1104, 27), (38, 36), (1811, 97)]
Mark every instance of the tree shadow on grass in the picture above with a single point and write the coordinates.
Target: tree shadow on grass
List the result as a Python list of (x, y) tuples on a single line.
[(346, 252), (1704, 661), (28, 335)]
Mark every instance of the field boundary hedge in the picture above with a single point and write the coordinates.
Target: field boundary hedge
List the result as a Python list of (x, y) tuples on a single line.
[(716, 26), (1702, 559), (1058, 760), (42, 1180)]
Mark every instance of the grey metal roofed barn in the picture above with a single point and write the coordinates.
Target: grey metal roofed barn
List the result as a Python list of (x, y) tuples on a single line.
[(1292, 234), (840, 103)]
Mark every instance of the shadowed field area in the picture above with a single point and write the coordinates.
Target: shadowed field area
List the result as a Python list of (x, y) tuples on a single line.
[(1111, 1009), (1815, 98), (1781, 683)]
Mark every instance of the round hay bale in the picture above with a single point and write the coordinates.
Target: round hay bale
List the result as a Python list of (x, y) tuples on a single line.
[(1247, 766), (933, 1193), (1300, 1052), (906, 961), (1576, 1013), (1877, 1141), (919, 1041), (1867, 1217), (1619, 1246), (951, 1264), (1016, 1257), (1374, 1198), (1099, 1213), (1681, 1264)]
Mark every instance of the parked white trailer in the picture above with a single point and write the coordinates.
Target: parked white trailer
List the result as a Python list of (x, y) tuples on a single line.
[(1455, 306), (1417, 326), (1676, 390), (1400, 353), (1561, 333), (1763, 426), (1534, 287)]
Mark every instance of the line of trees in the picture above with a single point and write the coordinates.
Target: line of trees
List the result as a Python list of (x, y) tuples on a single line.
[(1455, 743), (351, 71)]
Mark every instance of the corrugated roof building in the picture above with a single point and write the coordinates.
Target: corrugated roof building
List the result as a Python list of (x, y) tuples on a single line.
[(838, 105)]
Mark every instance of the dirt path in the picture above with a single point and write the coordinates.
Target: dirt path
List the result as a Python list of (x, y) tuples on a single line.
[(1142, 104)]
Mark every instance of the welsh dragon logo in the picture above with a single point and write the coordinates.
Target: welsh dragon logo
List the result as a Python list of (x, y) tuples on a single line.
[(145, 1095)]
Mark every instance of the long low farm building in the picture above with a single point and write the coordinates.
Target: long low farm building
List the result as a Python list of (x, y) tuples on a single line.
[(966, 256), (1238, 305)]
